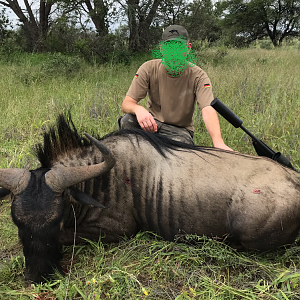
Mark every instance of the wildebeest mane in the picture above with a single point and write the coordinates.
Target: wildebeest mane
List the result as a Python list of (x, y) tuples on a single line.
[(63, 137), (59, 139), (161, 143)]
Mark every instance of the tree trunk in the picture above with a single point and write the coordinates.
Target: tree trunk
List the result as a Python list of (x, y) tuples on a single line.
[(98, 15), (139, 23), (144, 26), (35, 31), (134, 41)]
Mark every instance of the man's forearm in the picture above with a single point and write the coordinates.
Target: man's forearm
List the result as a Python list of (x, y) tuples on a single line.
[(212, 124), (129, 105)]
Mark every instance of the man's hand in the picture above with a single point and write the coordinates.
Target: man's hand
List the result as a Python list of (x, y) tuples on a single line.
[(145, 119), (222, 146)]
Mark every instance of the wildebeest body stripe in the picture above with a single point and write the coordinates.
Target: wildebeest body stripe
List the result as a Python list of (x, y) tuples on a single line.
[(172, 221), (160, 212), (105, 180), (181, 220)]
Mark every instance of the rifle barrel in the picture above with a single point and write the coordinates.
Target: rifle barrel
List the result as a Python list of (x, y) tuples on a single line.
[(261, 148), (228, 114)]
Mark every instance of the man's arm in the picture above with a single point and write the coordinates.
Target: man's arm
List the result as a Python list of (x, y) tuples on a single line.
[(145, 119), (212, 124)]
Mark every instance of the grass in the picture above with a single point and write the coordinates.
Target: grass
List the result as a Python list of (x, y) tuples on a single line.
[(261, 86)]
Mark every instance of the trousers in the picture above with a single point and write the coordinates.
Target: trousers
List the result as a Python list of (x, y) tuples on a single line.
[(180, 134)]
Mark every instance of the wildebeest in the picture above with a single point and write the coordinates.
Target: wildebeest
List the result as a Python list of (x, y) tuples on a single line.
[(146, 183)]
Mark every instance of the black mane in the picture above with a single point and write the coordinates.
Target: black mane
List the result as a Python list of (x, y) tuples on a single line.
[(60, 138), (161, 143), (63, 137)]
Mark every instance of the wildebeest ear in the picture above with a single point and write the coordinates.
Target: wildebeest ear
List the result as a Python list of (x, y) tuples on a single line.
[(84, 198), (4, 192)]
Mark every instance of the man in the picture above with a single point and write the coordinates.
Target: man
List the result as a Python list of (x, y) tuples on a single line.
[(174, 85)]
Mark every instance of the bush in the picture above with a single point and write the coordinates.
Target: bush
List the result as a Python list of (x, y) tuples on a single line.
[(35, 68), (61, 64), (207, 54)]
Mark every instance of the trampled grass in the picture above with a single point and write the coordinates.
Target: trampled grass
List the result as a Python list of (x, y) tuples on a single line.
[(261, 86)]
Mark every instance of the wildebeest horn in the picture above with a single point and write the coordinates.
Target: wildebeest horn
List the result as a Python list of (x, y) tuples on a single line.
[(61, 178), (15, 180)]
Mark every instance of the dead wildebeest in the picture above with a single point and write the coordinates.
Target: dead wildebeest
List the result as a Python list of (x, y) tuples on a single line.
[(145, 182)]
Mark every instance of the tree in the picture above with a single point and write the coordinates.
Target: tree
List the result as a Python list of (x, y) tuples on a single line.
[(140, 15), (94, 10), (4, 23), (202, 22), (255, 19), (172, 12), (35, 28)]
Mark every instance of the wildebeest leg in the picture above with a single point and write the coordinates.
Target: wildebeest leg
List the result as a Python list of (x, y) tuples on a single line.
[(258, 224), (93, 234), (109, 226)]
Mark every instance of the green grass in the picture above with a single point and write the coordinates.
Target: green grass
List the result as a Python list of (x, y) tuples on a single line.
[(261, 86)]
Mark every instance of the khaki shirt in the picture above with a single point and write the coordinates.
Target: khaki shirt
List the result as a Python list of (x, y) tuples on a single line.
[(171, 99)]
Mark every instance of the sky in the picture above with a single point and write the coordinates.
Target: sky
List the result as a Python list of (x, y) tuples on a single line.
[(12, 17)]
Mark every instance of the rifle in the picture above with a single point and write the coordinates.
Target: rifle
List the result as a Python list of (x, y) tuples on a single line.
[(260, 147)]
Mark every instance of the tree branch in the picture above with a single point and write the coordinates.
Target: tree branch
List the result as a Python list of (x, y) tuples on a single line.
[(30, 13), (5, 4)]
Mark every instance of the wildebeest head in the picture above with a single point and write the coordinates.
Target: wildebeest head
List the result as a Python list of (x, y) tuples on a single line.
[(38, 206)]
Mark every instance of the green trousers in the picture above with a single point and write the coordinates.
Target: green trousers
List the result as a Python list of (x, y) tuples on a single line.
[(173, 132)]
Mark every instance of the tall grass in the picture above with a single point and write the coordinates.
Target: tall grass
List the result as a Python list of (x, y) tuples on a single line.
[(261, 86)]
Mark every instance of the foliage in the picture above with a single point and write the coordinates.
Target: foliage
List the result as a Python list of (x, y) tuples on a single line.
[(172, 12), (146, 267), (102, 49), (87, 13), (246, 21), (4, 24), (34, 26), (202, 21), (88, 28), (65, 37)]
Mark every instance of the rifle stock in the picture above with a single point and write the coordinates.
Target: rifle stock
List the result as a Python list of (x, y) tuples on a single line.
[(260, 147)]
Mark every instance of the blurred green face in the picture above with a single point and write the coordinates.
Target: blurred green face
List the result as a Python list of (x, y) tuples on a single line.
[(174, 56)]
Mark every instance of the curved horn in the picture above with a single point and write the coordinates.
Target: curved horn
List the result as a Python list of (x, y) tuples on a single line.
[(15, 180), (60, 178)]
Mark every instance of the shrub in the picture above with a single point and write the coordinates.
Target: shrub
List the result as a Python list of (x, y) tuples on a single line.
[(61, 64)]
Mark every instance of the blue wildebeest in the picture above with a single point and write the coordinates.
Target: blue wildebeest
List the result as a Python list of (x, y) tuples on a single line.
[(145, 182)]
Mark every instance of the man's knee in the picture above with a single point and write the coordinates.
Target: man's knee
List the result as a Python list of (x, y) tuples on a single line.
[(183, 138), (175, 133), (128, 121)]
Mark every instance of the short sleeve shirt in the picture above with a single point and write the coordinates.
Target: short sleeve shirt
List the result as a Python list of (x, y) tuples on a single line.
[(172, 100)]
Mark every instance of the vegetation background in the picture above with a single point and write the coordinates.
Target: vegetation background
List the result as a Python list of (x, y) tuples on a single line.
[(112, 30), (262, 86)]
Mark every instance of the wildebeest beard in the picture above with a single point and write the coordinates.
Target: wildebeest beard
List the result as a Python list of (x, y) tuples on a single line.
[(39, 227)]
